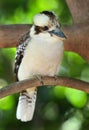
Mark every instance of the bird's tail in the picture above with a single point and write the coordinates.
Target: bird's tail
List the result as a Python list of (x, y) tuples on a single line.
[(26, 105)]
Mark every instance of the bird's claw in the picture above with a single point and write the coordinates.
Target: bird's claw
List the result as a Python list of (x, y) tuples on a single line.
[(56, 77), (39, 77)]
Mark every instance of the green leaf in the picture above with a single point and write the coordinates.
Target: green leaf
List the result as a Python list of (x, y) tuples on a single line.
[(6, 103), (76, 97), (72, 65), (6, 64), (85, 73), (59, 92)]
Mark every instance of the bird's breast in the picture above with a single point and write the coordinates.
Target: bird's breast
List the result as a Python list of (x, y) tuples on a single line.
[(41, 57)]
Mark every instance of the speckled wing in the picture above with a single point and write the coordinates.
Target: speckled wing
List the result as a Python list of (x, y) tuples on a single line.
[(20, 51)]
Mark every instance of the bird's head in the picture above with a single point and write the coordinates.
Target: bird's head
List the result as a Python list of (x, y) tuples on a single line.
[(47, 22)]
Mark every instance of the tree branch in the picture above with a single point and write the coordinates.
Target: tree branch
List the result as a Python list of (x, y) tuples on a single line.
[(61, 81), (78, 38), (10, 34), (79, 10)]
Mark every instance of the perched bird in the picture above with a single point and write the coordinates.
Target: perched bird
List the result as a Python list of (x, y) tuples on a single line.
[(39, 53)]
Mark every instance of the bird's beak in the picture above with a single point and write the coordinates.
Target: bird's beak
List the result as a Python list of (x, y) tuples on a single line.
[(58, 33)]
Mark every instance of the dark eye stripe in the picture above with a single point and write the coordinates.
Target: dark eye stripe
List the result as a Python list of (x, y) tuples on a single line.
[(45, 28), (39, 29)]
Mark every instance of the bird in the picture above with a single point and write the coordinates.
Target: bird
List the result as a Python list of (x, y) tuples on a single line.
[(39, 53)]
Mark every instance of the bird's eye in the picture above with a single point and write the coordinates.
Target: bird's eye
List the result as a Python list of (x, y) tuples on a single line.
[(45, 28)]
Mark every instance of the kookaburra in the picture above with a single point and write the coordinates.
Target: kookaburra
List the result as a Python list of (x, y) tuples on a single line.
[(40, 52)]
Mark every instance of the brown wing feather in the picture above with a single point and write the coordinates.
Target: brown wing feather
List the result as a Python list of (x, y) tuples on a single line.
[(20, 51)]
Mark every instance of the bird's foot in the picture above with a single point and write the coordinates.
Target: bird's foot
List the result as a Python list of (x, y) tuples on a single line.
[(56, 77), (39, 77)]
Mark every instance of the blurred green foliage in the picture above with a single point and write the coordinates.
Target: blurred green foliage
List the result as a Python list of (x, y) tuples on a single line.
[(22, 11), (57, 108)]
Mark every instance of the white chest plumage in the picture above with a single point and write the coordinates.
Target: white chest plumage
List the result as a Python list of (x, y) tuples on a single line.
[(41, 57)]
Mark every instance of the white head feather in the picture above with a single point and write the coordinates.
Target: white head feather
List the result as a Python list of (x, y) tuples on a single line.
[(41, 20)]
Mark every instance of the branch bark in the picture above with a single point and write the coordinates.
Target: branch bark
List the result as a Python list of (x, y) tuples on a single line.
[(79, 10), (47, 81), (10, 34), (78, 39)]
